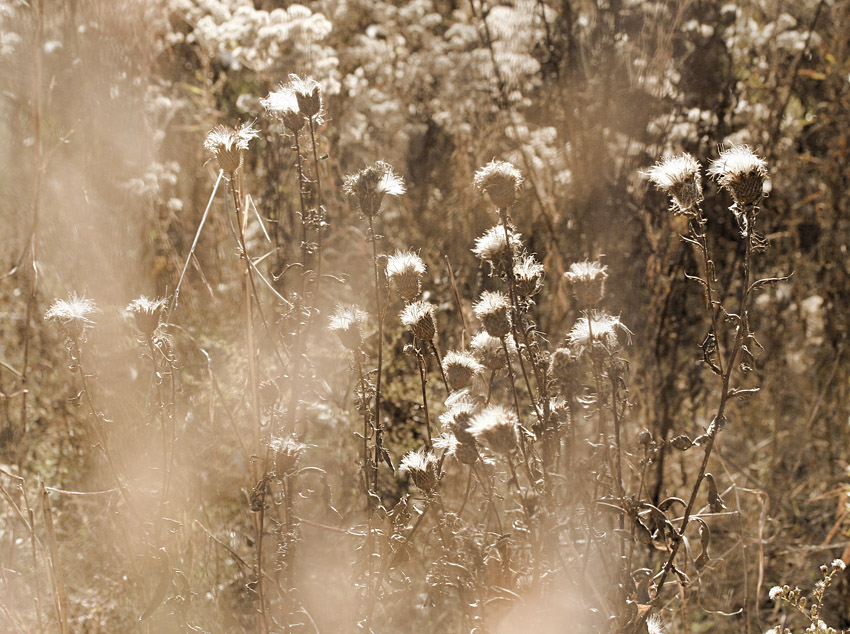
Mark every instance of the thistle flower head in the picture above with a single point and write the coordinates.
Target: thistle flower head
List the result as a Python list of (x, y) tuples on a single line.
[(587, 280), (459, 368), (308, 95), (285, 453), (597, 327), (147, 313), (406, 269), (347, 323), (422, 467), (741, 173), (775, 593), (679, 178), (495, 248), (564, 368), (496, 427), (466, 453), (72, 315), (528, 275), (494, 311), (371, 184), (488, 350), (419, 317), (458, 418), (227, 144), (282, 104), (501, 181)]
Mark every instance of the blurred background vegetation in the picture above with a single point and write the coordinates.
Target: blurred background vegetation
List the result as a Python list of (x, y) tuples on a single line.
[(105, 106)]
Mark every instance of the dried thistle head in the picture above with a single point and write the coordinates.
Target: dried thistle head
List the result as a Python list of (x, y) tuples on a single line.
[(459, 368), (587, 281), (564, 367), (488, 350), (679, 178), (597, 328), (501, 181), (269, 395), (371, 184), (494, 311), (282, 104), (405, 269), (72, 316), (347, 323), (496, 427), (422, 467), (285, 453), (308, 94), (466, 453), (419, 318), (147, 313), (227, 144), (528, 275), (495, 248), (741, 173), (458, 418)]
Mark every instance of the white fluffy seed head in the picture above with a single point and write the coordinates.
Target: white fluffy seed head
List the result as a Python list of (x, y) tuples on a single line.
[(227, 144), (459, 368), (371, 184), (72, 315), (501, 181), (679, 177), (347, 323), (741, 173), (498, 250), (587, 281), (421, 466), (496, 428), (494, 311), (599, 327), (419, 318), (405, 269)]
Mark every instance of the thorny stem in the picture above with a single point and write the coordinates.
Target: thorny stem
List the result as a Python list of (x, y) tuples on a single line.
[(379, 313), (320, 210), (367, 429), (422, 378), (742, 331)]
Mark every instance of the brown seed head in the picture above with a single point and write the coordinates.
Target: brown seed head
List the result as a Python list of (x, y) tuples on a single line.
[(587, 280), (419, 317), (679, 177), (406, 269), (741, 173), (147, 313), (282, 105), (494, 248), (227, 145), (495, 427), (488, 350), (501, 180), (422, 468), (371, 184), (494, 311), (307, 94), (460, 367), (528, 275), (347, 323), (72, 316)]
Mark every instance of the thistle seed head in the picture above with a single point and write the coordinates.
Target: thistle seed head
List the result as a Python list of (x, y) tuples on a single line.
[(600, 328), (741, 173), (72, 315), (460, 367), (371, 184), (419, 318), (501, 181), (494, 248), (679, 178), (282, 104), (564, 368), (528, 275), (587, 281), (285, 453), (495, 427), (422, 467), (406, 269), (227, 145), (308, 95), (147, 313), (458, 419), (488, 350), (494, 311), (347, 323)]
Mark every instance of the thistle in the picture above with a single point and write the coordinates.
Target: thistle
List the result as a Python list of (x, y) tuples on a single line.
[(501, 181), (371, 184), (422, 467), (494, 311), (587, 281), (488, 350), (528, 276), (282, 104), (347, 323), (308, 95), (458, 419), (285, 453), (419, 318), (459, 368), (496, 428), (405, 269), (740, 172), (679, 178), (596, 327), (72, 316), (147, 313), (495, 248), (227, 145)]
